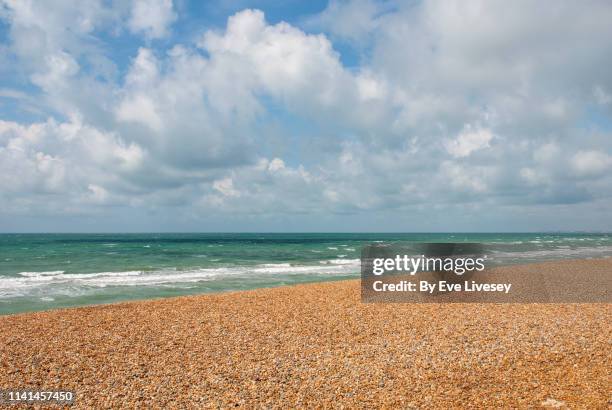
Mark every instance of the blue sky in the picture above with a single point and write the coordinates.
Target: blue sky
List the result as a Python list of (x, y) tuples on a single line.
[(356, 115)]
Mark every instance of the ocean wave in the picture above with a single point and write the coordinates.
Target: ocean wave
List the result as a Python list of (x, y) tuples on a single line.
[(59, 282), (38, 274), (341, 262), (276, 265), (554, 253)]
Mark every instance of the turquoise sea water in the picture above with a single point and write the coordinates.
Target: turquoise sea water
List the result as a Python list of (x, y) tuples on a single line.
[(45, 271)]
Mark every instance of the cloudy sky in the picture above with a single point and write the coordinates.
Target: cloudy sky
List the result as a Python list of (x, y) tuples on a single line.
[(162, 115)]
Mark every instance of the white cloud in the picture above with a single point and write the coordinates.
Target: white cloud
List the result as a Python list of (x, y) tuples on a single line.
[(371, 88), (591, 163), (60, 68), (350, 20), (258, 118), (547, 153), (63, 158), (98, 193), (463, 178), (276, 164), (601, 96), (226, 187), (42, 28), (530, 176), (301, 70), (138, 106), (469, 140), (141, 109), (152, 18), (144, 71)]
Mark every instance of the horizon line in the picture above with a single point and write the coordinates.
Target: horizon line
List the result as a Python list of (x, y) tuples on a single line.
[(297, 232)]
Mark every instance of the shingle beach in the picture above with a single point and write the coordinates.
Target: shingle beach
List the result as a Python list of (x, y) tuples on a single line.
[(316, 345)]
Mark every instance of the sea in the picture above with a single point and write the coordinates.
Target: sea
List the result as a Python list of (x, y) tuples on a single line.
[(47, 271)]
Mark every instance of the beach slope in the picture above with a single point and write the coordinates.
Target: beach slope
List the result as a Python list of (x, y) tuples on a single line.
[(316, 345)]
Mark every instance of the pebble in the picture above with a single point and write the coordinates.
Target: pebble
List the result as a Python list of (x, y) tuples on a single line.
[(315, 345)]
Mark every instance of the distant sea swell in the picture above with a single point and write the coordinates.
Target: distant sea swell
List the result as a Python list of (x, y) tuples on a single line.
[(43, 271)]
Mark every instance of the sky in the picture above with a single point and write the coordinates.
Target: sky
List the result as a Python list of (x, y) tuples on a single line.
[(298, 116)]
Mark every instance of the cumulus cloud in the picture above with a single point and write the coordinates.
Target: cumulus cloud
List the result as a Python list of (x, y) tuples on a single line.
[(65, 162), (351, 20), (591, 163), (303, 71), (152, 18), (226, 187), (451, 105), (468, 141), (601, 96)]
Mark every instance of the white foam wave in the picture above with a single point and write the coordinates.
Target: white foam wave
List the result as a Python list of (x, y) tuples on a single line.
[(276, 265), (559, 252), (37, 274), (341, 262), (59, 282)]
